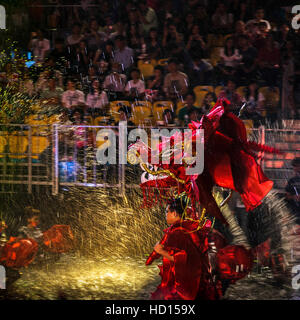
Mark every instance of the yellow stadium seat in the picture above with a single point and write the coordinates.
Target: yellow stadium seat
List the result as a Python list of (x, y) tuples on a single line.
[(137, 104), (180, 105), (146, 69), (249, 125), (141, 115), (89, 120), (153, 62), (201, 88), (39, 144), (159, 107), (163, 62), (100, 121), (218, 90), (40, 123), (17, 145), (115, 106), (3, 143), (199, 97), (215, 55), (53, 119)]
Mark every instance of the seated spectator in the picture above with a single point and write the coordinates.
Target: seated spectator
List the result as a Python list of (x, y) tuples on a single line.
[(247, 68), (102, 70), (87, 80), (120, 31), (202, 19), (147, 16), (54, 71), (229, 59), (51, 96), (72, 98), (196, 42), (106, 53), (186, 28), (135, 88), (123, 54), (76, 35), (268, 60), (230, 94), (95, 39), (189, 106), (115, 82), (42, 81), (176, 82), (181, 55), (27, 85), (79, 133), (241, 10), (293, 190), (97, 99), (153, 47), (239, 30), (222, 20), (259, 17), (156, 84), (255, 103), (261, 36), (124, 114), (171, 35), (59, 54), (80, 62), (201, 72), (252, 31), (39, 46), (208, 102), (136, 40)]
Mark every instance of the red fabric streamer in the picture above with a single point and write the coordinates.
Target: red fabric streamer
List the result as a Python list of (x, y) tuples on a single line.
[(59, 239), (18, 253)]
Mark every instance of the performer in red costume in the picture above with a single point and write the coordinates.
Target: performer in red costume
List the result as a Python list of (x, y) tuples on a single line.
[(186, 271), (230, 159)]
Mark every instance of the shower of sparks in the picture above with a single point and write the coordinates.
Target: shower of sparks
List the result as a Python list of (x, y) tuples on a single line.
[(85, 278)]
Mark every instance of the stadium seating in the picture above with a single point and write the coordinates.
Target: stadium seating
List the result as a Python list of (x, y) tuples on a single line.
[(141, 112), (3, 143), (159, 107), (39, 144), (115, 106), (200, 93), (40, 123), (145, 68), (163, 62), (215, 56), (17, 144)]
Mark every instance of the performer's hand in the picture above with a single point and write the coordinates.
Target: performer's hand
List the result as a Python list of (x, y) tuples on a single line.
[(158, 248)]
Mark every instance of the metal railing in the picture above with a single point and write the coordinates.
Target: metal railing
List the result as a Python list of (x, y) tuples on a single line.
[(59, 156)]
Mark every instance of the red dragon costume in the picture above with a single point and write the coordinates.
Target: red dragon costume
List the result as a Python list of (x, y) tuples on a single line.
[(229, 162)]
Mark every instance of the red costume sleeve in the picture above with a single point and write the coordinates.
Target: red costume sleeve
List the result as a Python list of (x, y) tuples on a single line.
[(189, 273)]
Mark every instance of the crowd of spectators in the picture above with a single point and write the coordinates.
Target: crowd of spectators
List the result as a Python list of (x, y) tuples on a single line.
[(88, 55)]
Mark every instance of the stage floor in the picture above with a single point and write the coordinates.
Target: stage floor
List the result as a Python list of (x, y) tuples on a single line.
[(79, 278)]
